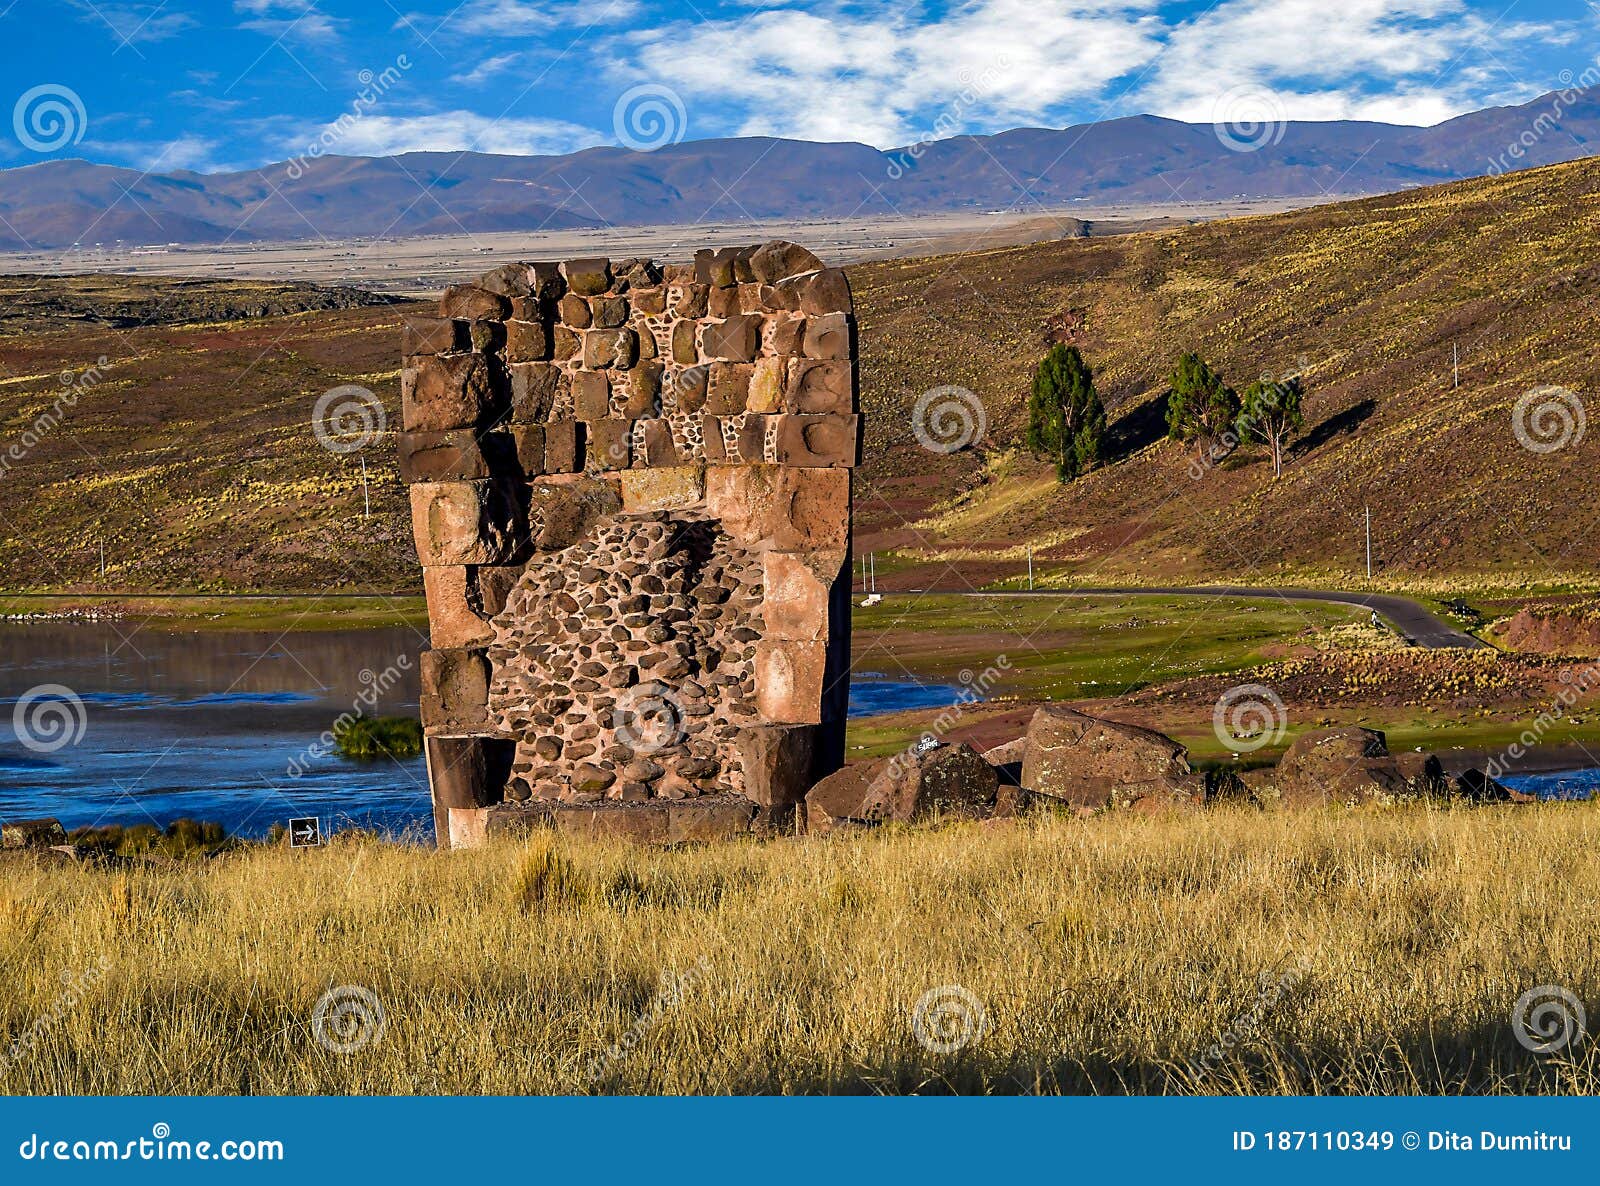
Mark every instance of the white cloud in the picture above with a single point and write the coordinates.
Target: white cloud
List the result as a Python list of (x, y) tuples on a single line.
[(487, 69), (882, 77), (520, 18), (300, 20), (1398, 61), (449, 131)]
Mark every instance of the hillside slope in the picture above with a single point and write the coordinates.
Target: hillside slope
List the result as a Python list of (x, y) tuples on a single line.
[(189, 453), (1365, 299)]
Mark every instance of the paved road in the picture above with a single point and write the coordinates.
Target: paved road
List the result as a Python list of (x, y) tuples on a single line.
[(1418, 625)]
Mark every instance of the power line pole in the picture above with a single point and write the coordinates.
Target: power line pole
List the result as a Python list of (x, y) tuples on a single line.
[(1030, 570), (1369, 543), (365, 496), (1455, 362)]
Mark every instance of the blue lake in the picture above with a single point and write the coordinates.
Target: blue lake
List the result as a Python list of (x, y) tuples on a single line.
[(224, 725)]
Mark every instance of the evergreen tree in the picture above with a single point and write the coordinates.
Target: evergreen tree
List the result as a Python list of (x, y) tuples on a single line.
[(1066, 419), (1271, 413), (1201, 408)]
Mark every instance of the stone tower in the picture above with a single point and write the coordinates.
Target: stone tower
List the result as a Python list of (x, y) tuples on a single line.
[(630, 488)]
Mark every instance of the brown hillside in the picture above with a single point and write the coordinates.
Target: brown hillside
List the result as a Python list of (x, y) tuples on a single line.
[(191, 456), (1365, 298)]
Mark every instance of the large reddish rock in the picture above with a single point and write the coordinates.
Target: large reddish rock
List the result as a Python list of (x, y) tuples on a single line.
[(1349, 766), (1091, 762), (930, 780)]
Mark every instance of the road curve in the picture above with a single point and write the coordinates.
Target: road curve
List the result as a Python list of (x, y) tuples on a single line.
[(1419, 626)]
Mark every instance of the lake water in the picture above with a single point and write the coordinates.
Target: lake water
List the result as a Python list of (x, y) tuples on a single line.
[(224, 726)]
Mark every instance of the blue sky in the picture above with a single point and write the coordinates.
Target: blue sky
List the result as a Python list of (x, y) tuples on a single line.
[(232, 84)]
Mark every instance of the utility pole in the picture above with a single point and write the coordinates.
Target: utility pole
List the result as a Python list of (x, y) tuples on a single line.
[(366, 498), (872, 564), (1369, 543), (1030, 570), (1455, 362), (102, 562)]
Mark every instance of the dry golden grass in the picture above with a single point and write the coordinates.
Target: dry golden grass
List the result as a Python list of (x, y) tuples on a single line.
[(1340, 953)]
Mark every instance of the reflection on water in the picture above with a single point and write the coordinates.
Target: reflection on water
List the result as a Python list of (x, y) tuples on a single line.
[(208, 725)]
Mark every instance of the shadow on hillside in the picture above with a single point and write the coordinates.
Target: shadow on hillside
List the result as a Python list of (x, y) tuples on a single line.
[(1340, 424), (1142, 425)]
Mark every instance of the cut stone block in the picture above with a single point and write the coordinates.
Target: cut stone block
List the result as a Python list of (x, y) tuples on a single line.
[(734, 339), (777, 761), (789, 681), (767, 383), (455, 689), (433, 335), (587, 277), (591, 395), (663, 489), (447, 391), (778, 260), (609, 348), (818, 440), (460, 523), (608, 445), (526, 341), (469, 302), (453, 456), (820, 388), (797, 588), (830, 336), (563, 447), (728, 392), (536, 389)]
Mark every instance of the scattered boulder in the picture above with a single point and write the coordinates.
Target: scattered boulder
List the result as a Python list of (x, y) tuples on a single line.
[(1090, 762), (938, 779), (32, 833), (1347, 765), (1477, 787)]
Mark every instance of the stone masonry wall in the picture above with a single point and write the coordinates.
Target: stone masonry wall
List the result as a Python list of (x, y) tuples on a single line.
[(630, 488)]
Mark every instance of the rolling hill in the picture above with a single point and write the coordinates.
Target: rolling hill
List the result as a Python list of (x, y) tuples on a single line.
[(1141, 159), (190, 455)]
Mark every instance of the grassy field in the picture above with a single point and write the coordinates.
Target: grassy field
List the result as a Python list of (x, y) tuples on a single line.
[(1222, 953), (255, 612)]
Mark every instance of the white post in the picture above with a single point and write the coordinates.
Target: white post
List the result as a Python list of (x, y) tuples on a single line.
[(1030, 570), (102, 562), (365, 496), (1369, 543), (873, 565), (1455, 362)]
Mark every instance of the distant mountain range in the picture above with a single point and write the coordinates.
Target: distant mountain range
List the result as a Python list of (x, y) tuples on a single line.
[(1143, 159)]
